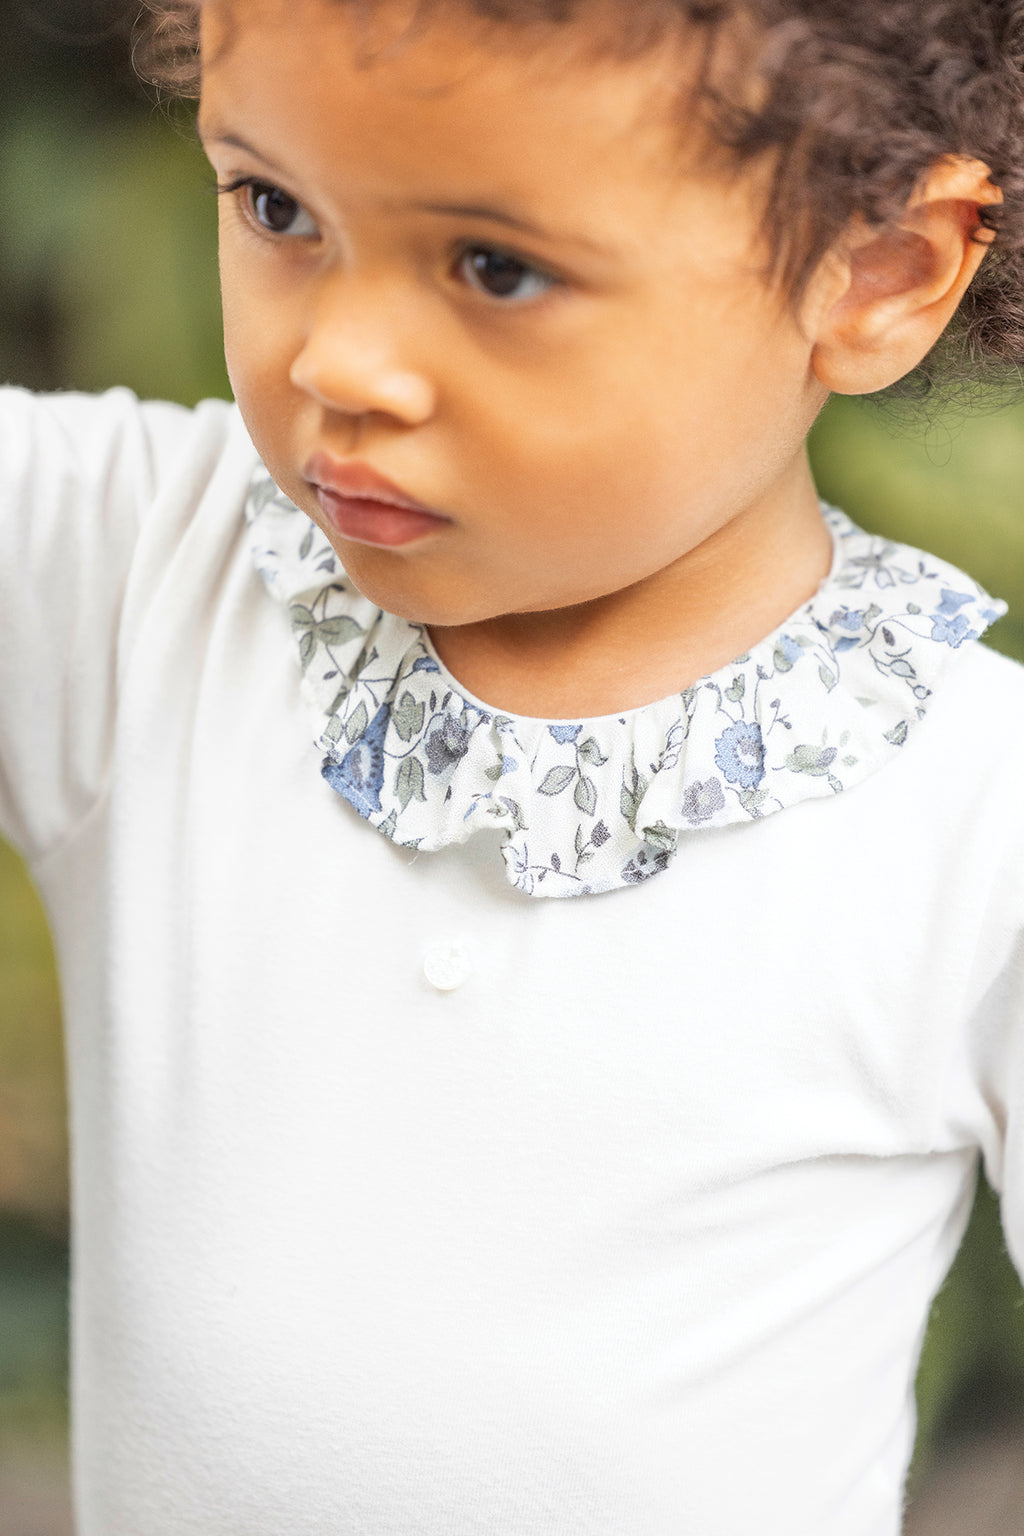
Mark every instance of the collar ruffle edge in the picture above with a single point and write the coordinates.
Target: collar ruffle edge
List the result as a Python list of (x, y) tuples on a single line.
[(596, 804)]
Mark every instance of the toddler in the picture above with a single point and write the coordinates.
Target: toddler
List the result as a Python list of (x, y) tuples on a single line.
[(542, 964)]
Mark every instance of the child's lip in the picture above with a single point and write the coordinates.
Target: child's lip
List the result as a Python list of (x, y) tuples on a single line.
[(356, 480)]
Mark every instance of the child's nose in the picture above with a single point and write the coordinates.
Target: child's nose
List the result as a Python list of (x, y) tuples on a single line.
[(348, 361)]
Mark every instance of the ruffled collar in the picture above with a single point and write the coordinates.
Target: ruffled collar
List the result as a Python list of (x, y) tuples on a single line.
[(592, 805)]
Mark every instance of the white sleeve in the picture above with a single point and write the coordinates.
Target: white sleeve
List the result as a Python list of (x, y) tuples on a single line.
[(1002, 1087), (78, 474), (989, 1073)]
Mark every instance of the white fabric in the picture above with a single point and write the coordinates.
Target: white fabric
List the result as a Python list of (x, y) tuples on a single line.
[(406, 1205)]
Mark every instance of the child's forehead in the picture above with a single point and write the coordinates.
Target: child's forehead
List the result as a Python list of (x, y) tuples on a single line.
[(623, 28), (439, 64), (429, 43)]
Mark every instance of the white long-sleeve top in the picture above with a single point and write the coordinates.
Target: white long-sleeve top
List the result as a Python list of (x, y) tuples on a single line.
[(407, 1202)]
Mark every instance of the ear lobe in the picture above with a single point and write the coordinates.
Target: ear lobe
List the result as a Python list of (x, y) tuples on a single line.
[(888, 294)]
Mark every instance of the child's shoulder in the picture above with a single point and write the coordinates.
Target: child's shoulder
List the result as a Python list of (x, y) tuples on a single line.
[(988, 686), (974, 739)]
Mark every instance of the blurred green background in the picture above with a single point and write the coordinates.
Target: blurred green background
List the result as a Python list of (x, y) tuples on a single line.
[(108, 276)]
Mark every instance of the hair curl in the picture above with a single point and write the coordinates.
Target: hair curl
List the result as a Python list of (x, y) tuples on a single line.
[(856, 100)]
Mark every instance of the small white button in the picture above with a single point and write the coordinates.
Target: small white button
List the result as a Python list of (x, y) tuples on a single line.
[(446, 966)]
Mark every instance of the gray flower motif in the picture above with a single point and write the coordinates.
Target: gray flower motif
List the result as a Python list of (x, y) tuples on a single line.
[(702, 800), (447, 746)]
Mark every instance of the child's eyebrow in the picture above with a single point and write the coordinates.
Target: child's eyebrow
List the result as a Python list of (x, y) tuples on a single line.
[(450, 210), (512, 221)]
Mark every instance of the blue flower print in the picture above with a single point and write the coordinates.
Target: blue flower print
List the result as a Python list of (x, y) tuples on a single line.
[(447, 747), (563, 734), (790, 649), (949, 625), (952, 631), (852, 621), (360, 773), (739, 753), (701, 801)]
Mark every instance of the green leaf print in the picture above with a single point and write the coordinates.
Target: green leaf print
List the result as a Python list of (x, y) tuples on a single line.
[(590, 753), (408, 717), (660, 837), (558, 779), (338, 630), (301, 617), (634, 788), (813, 760), (409, 782), (356, 727), (586, 795)]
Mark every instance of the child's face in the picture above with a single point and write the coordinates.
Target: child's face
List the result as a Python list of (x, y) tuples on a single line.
[(585, 402)]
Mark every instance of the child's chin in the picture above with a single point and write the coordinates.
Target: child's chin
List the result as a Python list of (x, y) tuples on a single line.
[(405, 598)]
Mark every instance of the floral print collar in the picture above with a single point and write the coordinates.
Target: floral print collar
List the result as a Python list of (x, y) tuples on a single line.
[(593, 805)]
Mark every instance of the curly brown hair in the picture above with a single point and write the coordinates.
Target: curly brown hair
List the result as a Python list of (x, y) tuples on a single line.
[(857, 99)]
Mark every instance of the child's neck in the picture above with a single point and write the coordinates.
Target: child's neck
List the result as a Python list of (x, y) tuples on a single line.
[(659, 636)]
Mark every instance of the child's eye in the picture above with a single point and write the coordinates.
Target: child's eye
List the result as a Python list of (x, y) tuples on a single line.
[(502, 276), (272, 209)]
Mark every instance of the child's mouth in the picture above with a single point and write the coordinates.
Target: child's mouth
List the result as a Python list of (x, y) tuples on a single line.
[(362, 505), (375, 522)]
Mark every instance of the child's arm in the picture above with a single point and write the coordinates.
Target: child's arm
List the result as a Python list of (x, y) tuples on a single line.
[(78, 477)]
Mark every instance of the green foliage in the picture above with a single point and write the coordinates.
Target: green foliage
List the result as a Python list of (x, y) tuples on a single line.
[(33, 1136), (110, 258), (33, 1331)]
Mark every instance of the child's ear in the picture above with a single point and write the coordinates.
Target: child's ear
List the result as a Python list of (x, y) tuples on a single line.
[(883, 297)]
